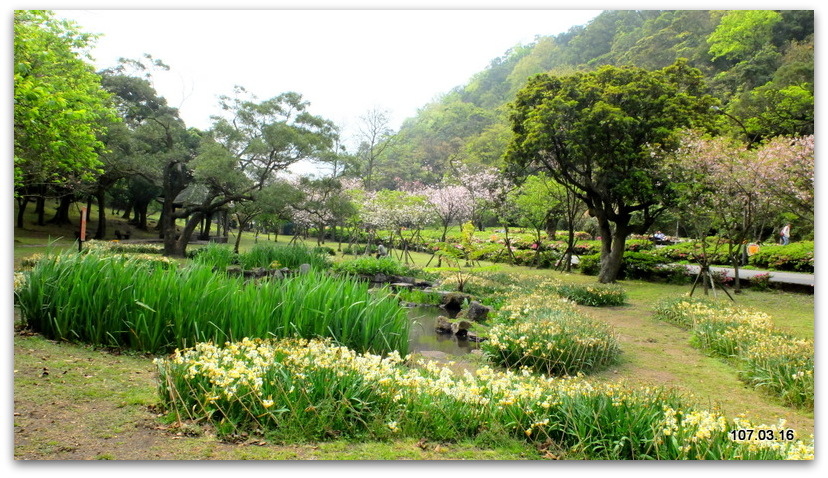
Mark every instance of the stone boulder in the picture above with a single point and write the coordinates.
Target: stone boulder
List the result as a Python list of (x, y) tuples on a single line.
[(476, 312), (459, 328), (455, 300), (255, 273), (443, 325)]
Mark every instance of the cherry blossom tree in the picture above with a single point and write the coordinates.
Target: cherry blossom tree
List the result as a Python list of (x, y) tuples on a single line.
[(452, 204), (323, 205), (396, 211), (486, 188), (722, 190), (785, 167)]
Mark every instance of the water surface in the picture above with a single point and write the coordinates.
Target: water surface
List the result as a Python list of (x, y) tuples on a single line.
[(422, 336)]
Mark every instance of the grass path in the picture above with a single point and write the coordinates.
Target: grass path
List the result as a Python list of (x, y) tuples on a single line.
[(657, 353)]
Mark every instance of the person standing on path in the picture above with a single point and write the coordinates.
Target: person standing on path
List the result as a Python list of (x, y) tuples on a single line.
[(785, 233)]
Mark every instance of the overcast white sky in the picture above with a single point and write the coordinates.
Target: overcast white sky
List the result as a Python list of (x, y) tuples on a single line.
[(344, 62)]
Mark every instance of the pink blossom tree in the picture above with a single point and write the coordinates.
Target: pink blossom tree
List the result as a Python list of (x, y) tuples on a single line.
[(785, 166), (396, 211), (721, 189), (451, 204), (486, 188)]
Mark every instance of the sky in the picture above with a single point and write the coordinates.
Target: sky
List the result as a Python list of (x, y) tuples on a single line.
[(344, 62)]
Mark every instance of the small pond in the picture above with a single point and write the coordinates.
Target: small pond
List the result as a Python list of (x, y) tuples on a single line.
[(423, 337)]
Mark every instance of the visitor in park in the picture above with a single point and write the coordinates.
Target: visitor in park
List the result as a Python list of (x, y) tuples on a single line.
[(785, 234), (381, 251)]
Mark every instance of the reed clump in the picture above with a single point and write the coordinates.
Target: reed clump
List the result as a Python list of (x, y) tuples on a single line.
[(124, 302)]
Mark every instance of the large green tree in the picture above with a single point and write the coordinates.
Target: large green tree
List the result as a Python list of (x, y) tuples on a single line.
[(239, 156), (596, 133), (60, 108)]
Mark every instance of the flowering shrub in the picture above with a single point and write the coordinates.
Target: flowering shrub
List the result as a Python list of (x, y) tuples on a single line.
[(315, 390), (691, 251), (798, 257), (760, 282), (774, 361), (636, 265), (20, 279), (114, 246), (549, 336), (597, 295), (30, 261)]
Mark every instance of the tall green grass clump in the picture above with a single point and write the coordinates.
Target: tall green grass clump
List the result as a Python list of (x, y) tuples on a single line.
[(298, 390), (769, 359), (596, 295), (549, 336), (420, 297), (118, 302), (291, 256), (367, 265), (216, 255)]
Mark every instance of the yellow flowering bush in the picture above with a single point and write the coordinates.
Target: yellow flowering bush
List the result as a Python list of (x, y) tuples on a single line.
[(30, 261), (314, 389), (771, 359), (549, 336), (596, 295), (119, 247)]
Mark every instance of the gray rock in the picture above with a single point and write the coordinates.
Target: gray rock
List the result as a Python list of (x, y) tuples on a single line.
[(443, 325), (455, 300), (477, 311)]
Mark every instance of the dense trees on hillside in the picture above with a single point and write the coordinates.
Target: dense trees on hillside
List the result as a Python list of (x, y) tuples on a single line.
[(766, 85)]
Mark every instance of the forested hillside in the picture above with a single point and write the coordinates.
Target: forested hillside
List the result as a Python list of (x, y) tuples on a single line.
[(759, 64)]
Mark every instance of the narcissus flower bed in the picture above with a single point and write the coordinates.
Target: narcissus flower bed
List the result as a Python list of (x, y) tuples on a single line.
[(770, 359), (313, 390)]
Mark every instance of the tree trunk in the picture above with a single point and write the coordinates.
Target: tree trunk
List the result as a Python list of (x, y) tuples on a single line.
[(40, 210), (22, 201), (238, 241), (61, 217), (205, 229), (128, 211), (187, 233), (507, 243), (612, 250), (735, 260), (570, 249), (167, 224), (100, 233), (141, 211)]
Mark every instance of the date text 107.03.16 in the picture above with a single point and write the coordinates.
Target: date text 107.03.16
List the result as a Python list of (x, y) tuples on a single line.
[(747, 434)]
